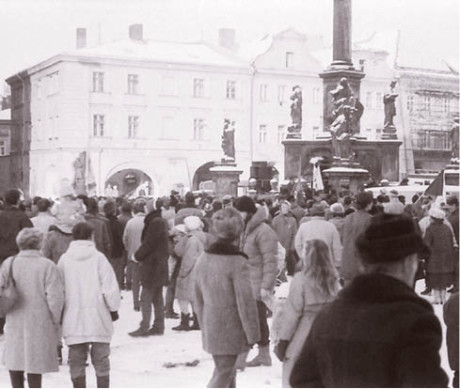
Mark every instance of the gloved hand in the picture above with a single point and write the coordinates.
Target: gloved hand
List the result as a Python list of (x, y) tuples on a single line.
[(114, 316), (280, 349)]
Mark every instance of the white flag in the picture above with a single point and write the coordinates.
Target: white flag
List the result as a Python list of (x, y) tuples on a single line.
[(317, 179)]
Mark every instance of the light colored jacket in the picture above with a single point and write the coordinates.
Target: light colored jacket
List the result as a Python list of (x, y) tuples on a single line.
[(43, 221), (32, 327), (318, 228), (224, 302), (260, 243), (91, 293), (133, 234), (301, 307), (285, 227)]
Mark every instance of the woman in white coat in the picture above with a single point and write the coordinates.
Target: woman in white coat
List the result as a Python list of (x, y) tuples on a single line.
[(92, 300), (315, 285), (32, 326)]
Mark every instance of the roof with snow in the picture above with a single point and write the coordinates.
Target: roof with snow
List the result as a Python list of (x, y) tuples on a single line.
[(201, 53)]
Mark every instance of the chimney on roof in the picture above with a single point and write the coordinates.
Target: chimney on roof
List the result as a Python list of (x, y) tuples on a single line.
[(81, 38), (136, 32), (227, 38)]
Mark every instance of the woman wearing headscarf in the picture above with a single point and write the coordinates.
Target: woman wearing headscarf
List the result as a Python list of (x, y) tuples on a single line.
[(32, 326)]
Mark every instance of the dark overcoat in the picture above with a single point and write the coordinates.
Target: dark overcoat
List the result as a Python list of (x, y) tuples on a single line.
[(12, 220), (377, 333), (154, 251)]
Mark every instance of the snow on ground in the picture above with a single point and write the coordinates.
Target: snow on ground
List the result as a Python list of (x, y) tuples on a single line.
[(138, 362)]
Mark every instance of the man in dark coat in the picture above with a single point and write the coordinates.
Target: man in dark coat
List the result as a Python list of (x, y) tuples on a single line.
[(153, 256), (452, 203), (378, 332), (12, 220), (451, 320), (102, 237)]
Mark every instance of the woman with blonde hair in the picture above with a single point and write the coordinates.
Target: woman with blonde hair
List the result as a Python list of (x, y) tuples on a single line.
[(315, 285)]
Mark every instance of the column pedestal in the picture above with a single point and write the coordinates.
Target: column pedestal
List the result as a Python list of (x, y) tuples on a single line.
[(341, 177), (226, 177)]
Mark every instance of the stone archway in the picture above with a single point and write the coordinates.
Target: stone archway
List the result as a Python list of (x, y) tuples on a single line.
[(202, 175), (129, 182)]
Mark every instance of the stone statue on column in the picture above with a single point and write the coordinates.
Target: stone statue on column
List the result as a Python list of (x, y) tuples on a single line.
[(390, 106), (294, 130), (346, 113), (454, 140), (228, 140)]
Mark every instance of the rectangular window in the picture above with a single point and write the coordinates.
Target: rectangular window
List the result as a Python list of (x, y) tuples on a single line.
[(98, 82), (198, 129), (361, 64), (198, 87), (263, 133), (133, 84), (281, 93), (410, 103), (231, 89), (98, 125), (264, 92), (369, 100), (281, 134), (316, 95), (133, 126), (289, 59), (378, 100), (3, 150), (427, 100), (446, 104)]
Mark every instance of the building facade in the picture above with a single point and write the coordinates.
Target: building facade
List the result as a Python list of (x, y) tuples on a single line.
[(139, 114)]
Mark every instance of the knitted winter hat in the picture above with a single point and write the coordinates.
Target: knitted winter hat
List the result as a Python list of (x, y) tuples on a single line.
[(436, 213), (317, 210), (245, 204), (389, 238)]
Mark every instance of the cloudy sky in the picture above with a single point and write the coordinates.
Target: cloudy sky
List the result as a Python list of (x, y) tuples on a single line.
[(33, 30)]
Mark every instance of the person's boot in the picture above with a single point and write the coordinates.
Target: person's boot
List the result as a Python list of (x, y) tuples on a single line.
[(262, 359), (79, 382), (103, 382), (241, 361), (195, 324), (184, 323)]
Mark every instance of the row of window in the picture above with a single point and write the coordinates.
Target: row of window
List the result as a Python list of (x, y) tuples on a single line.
[(133, 127), (167, 85), (429, 103), (282, 96)]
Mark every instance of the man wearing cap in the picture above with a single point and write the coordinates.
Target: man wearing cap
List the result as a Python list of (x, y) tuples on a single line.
[(188, 209), (319, 228), (355, 224), (260, 244), (378, 332), (337, 217)]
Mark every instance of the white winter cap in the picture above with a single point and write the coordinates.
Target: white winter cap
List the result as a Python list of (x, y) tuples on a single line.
[(193, 223)]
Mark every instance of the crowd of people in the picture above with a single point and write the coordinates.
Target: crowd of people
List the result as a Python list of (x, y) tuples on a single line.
[(351, 317)]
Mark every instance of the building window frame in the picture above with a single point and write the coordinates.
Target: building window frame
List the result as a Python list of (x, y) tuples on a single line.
[(198, 129), (98, 82), (263, 93), (289, 59), (133, 126), (133, 84), (262, 134), (198, 87), (98, 125), (231, 90)]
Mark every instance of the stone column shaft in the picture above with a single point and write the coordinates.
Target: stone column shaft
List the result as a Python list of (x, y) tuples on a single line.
[(342, 33)]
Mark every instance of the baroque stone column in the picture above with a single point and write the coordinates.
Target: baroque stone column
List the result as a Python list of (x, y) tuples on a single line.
[(342, 34)]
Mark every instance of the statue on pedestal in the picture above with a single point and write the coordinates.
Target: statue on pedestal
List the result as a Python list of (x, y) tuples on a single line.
[(390, 107), (294, 130), (79, 166), (346, 113), (228, 140)]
